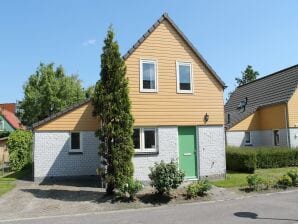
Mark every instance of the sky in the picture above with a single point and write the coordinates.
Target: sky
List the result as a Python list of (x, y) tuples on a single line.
[(229, 34)]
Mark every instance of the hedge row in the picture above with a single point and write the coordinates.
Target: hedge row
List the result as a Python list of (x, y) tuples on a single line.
[(248, 159)]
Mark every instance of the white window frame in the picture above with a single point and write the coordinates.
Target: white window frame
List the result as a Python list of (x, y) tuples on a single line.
[(178, 77), (81, 142), (247, 143), (142, 140), (142, 61), (273, 137)]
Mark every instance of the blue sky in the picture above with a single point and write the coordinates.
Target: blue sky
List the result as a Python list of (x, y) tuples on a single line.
[(229, 34)]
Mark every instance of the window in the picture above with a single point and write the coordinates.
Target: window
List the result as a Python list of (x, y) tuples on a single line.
[(75, 142), (184, 77), (247, 138), (148, 76), (1, 125), (144, 140), (276, 137), (229, 119)]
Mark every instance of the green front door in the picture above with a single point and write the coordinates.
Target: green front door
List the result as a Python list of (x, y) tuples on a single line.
[(188, 151)]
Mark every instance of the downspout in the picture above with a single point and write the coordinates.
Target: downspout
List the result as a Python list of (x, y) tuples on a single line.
[(287, 125)]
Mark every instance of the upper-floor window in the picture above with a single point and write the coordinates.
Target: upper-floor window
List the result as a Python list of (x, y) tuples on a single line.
[(184, 77), (148, 76)]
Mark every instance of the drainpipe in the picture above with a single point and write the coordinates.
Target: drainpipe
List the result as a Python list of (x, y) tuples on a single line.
[(287, 125)]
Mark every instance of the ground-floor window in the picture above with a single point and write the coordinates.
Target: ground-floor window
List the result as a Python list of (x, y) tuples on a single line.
[(75, 142), (145, 139), (247, 138), (276, 137)]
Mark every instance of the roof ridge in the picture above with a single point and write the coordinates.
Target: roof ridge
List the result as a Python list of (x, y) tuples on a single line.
[(267, 76)]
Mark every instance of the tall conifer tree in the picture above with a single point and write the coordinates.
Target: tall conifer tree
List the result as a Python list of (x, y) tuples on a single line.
[(113, 107)]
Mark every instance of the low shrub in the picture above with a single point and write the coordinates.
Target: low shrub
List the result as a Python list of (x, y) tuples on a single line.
[(285, 181), (293, 174), (241, 160), (198, 188), (165, 176), (20, 149), (255, 182), (131, 188)]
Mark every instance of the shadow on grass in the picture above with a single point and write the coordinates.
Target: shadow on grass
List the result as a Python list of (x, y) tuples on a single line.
[(24, 174)]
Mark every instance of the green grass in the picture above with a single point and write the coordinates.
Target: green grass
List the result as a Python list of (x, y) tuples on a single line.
[(235, 179), (7, 183)]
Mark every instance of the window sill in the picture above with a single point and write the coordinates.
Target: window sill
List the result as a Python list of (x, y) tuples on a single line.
[(75, 152), (146, 152), (185, 92)]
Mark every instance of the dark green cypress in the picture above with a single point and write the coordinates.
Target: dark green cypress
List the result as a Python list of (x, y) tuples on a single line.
[(113, 107)]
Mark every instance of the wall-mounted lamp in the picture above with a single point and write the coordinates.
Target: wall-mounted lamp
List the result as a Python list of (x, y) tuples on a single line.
[(206, 117)]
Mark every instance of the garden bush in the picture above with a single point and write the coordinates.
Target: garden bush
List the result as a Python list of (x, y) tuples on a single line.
[(255, 182), (248, 159), (131, 188), (165, 176), (293, 174), (20, 149), (241, 160), (198, 188), (285, 181)]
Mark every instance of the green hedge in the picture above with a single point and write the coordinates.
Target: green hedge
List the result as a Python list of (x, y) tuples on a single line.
[(248, 159)]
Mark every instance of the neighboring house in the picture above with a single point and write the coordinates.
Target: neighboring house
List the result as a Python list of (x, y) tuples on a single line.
[(177, 104), (8, 123), (264, 112)]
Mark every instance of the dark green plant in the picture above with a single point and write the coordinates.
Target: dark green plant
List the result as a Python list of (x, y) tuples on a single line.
[(20, 149), (165, 176), (285, 181), (198, 188), (4, 134), (294, 176), (241, 160), (112, 107), (48, 91), (255, 182), (131, 188), (247, 76)]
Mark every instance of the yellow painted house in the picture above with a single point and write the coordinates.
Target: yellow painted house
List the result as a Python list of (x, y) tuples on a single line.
[(177, 104), (264, 112)]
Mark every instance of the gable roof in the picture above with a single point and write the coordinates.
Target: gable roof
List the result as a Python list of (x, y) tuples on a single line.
[(166, 17), (129, 52), (11, 118), (269, 90)]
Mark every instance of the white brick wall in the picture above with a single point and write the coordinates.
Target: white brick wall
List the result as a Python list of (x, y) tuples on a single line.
[(168, 149), (293, 132), (258, 138), (52, 158), (211, 143)]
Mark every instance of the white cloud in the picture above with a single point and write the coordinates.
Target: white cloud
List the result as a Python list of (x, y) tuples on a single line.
[(89, 42)]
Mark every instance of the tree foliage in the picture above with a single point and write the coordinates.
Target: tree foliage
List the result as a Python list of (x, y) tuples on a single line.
[(247, 76), (48, 91), (20, 149), (113, 107)]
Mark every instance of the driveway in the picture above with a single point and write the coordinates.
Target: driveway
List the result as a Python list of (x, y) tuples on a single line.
[(268, 208)]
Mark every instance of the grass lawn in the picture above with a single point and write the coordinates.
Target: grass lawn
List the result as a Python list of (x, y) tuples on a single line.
[(7, 182), (239, 179)]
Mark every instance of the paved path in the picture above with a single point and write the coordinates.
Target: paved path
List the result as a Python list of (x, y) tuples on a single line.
[(270, 208)]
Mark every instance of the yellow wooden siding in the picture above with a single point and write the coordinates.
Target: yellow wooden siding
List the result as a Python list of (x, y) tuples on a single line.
[(266, 118), (79, 119), (167, 107), (293, 110)]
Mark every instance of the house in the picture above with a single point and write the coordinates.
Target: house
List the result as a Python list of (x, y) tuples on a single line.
[(8, 123), (264, 112), (177, 104)]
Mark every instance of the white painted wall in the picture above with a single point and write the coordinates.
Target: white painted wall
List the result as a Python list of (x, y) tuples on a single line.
[(167, 150), (211, 143), (52, 158), (293, 134)]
